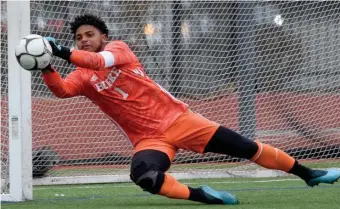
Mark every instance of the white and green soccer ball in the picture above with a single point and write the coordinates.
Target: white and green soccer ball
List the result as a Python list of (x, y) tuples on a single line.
[(33, 52)]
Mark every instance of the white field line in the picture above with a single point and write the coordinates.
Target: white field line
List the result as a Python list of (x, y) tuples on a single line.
[(114, 185)]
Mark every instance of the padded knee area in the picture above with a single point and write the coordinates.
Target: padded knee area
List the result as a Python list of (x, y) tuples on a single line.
[(148, 178)]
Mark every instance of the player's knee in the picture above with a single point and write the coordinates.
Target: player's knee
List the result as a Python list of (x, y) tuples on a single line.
[(148, 179)]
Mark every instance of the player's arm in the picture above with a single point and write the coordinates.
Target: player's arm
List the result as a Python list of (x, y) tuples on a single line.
[(63, 88), (115, 53)]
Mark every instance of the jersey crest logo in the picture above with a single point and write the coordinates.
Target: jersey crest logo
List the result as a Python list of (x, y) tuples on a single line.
[(94, 78), (138, 71)]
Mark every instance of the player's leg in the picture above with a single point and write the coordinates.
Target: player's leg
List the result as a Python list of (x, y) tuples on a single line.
[(226, 141), (192, 132), (148, 169)]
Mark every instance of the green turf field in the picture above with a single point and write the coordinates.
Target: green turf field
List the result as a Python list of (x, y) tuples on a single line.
[(273, 193)]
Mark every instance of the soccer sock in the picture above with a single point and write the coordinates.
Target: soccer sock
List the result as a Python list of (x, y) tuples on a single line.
[(196, 194), (272, 158), (304, 172), (172, 188)]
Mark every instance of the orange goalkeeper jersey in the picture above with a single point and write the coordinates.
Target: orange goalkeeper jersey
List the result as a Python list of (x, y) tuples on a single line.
[(116, 81)]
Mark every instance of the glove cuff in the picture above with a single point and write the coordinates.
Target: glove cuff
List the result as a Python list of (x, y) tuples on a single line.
[(65, 53)]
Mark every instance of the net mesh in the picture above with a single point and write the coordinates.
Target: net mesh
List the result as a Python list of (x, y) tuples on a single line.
[(268, 70), (4, 102)]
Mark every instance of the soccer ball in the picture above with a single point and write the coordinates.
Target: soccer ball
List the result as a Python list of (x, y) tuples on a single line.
[(33, 53)]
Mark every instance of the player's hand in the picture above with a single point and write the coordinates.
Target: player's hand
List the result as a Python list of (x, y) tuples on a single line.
[(60, 51)]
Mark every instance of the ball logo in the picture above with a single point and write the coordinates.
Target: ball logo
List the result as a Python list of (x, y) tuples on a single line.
[(47, 51)]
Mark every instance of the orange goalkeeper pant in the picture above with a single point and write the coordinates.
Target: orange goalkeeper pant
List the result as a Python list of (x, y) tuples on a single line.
[(191, 131)]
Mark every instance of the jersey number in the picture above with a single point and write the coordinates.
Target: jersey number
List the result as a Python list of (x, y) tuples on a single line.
[(121, 92)]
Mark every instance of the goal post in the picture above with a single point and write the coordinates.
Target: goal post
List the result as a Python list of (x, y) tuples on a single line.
[(269, 70), (19, 109)]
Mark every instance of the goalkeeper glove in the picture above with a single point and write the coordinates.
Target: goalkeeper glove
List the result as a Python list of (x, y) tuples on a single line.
[(59, 50)]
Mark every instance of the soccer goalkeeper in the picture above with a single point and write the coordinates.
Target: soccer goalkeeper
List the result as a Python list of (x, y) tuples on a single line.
[(156, 123)]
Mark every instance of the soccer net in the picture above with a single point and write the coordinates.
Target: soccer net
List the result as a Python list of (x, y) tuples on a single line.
[(269, 70)]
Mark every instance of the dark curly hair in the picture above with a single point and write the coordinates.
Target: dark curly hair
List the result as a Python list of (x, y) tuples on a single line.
[(89, 19)]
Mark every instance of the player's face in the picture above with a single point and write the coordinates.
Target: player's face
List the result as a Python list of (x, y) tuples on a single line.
[(89, 38)]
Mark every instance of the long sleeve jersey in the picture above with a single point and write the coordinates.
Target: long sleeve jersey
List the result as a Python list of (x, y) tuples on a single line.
[(116, 82)]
